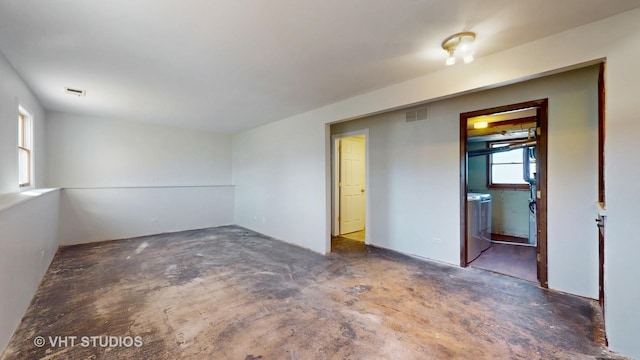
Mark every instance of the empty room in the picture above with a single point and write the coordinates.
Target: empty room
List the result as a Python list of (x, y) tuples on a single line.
[(360, 179)]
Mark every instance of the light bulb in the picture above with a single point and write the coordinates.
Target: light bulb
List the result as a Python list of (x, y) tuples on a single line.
[(467, 58), (451, 60)]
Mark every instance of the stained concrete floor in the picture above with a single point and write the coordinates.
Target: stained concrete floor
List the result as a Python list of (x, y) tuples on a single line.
[(229, 293)]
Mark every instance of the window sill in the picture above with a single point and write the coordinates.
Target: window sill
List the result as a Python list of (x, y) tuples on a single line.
[(10, 200)]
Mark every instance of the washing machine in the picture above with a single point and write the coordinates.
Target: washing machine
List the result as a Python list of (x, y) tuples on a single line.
[(478, 224)]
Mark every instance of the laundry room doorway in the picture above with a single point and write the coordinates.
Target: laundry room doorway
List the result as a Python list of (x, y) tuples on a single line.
[(503, 190)]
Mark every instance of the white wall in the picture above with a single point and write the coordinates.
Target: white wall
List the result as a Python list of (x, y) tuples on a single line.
[(409, 183), (124, 178), (85, 151), (297, 148), (13, 91), (622, 247), (89, 215), (414, 172), (28, 242), (510, 212), (29, 228), (269, 168)]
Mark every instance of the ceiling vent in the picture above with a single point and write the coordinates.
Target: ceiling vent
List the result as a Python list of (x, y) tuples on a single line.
[(417, 115), (76, 92)]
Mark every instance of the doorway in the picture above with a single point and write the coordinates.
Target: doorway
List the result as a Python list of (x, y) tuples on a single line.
[(503, 190), (349, 186)]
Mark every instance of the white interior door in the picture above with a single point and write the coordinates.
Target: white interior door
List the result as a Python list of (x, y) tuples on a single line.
[(352, 182)]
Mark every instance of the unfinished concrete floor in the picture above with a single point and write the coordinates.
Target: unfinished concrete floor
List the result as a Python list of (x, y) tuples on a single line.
[(229, 293)]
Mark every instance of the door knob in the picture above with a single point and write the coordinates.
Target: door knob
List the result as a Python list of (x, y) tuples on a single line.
[(361, 190)]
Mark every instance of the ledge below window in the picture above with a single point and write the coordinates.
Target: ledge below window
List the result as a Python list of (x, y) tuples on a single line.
[(10, 200)]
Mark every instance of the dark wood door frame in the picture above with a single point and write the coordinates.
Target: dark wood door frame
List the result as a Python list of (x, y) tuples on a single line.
[(541, 107), (601, 188)]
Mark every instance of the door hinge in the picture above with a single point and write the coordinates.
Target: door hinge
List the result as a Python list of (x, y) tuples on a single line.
[(339, 219), (538, 257), (340, 184), (539, 194), (538, 131)]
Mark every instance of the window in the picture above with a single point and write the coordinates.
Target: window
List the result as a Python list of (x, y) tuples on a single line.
[(509, 169), (25, 148)]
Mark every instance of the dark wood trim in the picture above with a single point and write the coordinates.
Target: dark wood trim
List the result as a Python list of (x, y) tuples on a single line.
[(601, 184), (463, 190), (541, 183), (504, 108), (541, 186), (601, 133), (513, 122)]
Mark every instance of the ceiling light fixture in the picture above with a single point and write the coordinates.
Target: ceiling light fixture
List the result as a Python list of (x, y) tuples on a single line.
[(459, 43), (480, 125)]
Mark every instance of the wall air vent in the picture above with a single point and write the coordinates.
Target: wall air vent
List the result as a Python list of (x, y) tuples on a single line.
[(417, 115), (76, 92)]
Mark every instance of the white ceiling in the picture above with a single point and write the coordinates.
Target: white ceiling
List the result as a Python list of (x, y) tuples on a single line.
[(230, 65)]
